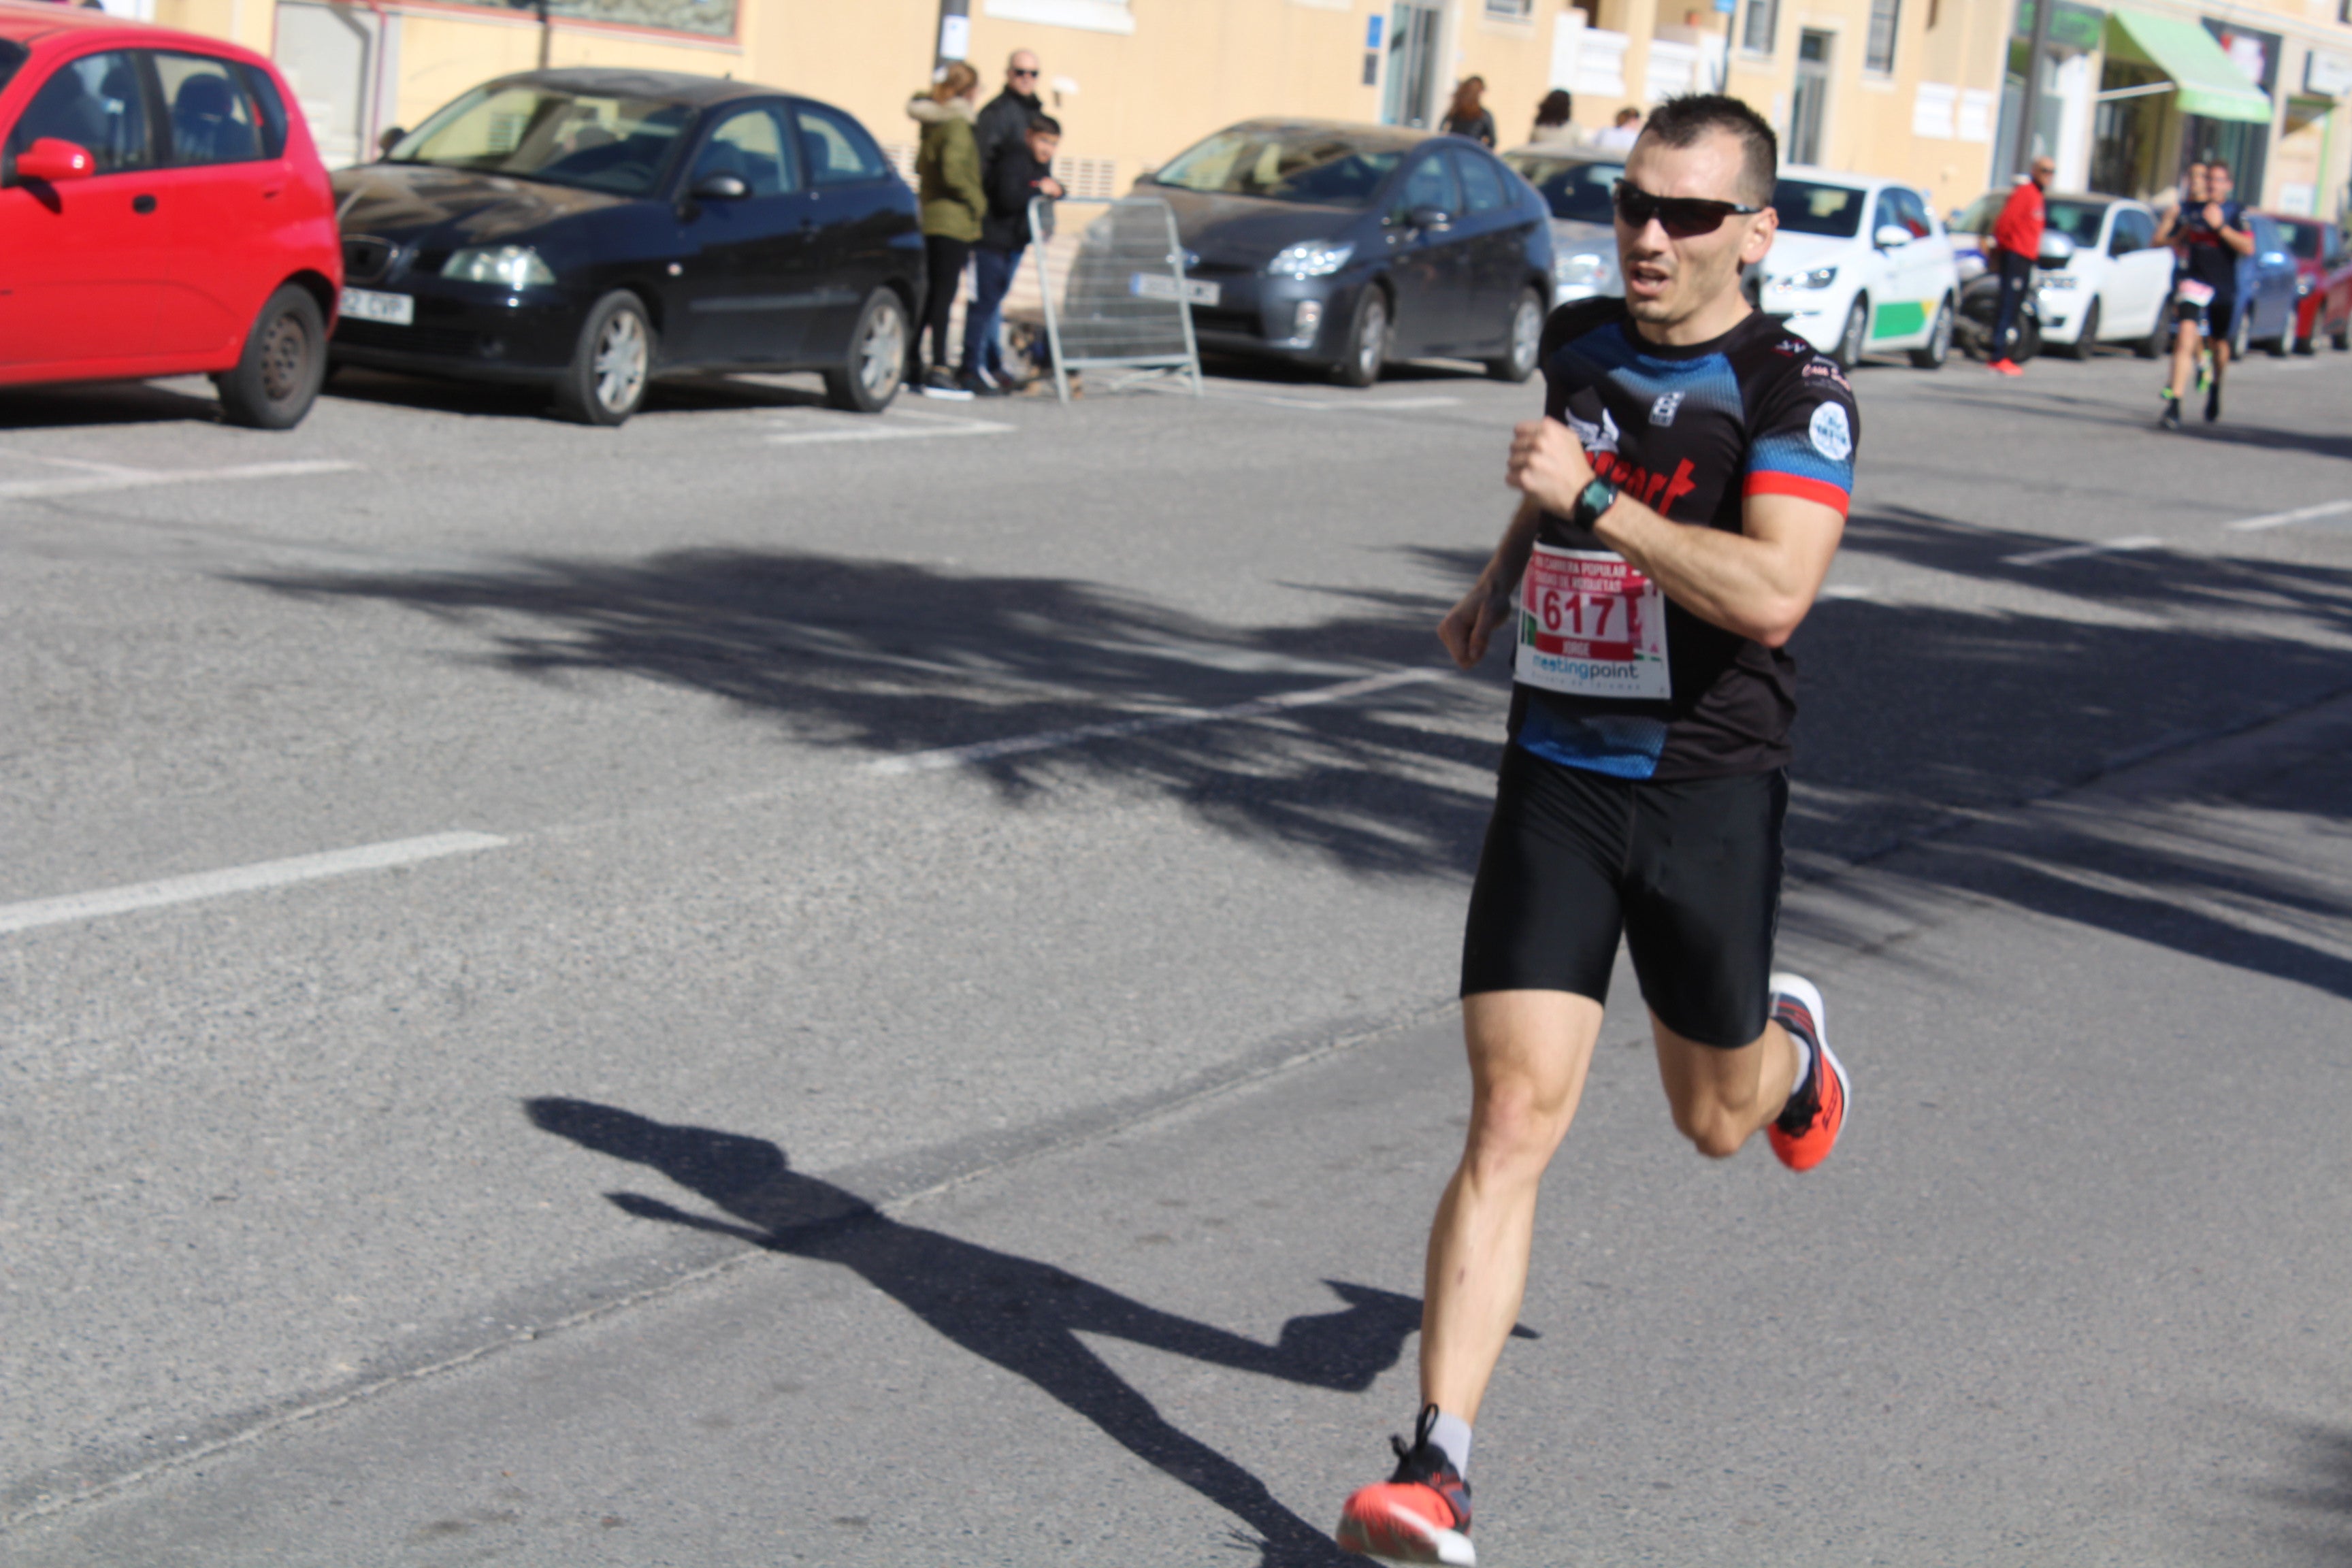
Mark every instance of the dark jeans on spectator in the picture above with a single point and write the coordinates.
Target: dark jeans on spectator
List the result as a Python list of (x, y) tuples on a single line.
[(943, 260), (984, 318), (2016, 278)]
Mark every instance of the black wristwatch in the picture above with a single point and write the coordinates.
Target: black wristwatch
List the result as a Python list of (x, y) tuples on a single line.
[(1592, 500)]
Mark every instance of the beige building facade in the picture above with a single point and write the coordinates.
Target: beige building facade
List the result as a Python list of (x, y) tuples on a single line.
[(1912, 88)]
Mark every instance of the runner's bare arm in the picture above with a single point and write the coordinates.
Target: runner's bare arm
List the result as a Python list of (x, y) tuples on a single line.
[(1758, 583), (1469, 625)]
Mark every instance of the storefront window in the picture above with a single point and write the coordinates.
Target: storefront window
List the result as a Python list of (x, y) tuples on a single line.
[(712, 18)]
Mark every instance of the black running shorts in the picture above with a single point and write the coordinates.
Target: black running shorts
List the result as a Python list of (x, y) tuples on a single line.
[(1688, 871)]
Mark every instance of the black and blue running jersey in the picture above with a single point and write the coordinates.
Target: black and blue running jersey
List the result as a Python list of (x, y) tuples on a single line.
[(1691, 433)]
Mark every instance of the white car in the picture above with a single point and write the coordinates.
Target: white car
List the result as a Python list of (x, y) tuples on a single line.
[(1861, 266), (2112, 291), (1575, 180)]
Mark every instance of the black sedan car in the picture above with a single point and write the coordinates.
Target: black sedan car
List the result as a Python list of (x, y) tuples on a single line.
[(1347, 246), (589, 229)]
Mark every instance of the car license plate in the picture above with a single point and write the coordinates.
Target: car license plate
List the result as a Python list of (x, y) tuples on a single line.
[(367, 305), (1152, 286)]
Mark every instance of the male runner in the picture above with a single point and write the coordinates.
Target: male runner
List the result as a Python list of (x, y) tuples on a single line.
[(2213, 233), (1681, 502)]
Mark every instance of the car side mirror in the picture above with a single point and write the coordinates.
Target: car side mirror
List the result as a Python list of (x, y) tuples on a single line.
[(55, 161), (389, 140), (2056, 250), (1429, 217), (719, 188), (1891, 236)]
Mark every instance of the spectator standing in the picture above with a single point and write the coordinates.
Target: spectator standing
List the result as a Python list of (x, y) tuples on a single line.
[(2017, 241), (1005, 124), (1469, 116), (1623, 132), (1020, 173), (947, 179), (1552, 115)]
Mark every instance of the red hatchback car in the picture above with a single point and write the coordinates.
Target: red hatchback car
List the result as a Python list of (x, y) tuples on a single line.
[(2322, 281), (161, 213)]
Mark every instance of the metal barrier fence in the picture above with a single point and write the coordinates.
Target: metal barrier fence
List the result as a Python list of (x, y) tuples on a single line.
[(1110, 290)]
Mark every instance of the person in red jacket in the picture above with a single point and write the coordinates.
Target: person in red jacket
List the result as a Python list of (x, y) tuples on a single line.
[(2016, 241)]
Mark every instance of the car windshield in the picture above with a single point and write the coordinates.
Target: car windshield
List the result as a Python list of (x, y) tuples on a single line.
[(616, 144), (1978, 216), (1573, 189), (12, 55), (2078, 221), (1316, 168), (1808, 208), (2302, 239)]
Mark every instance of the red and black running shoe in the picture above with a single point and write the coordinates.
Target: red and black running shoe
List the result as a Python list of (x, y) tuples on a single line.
[(1808, 1129), (1421, 1514)]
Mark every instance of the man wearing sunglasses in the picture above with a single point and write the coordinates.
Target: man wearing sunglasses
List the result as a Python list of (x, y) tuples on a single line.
[(1005, 124), (1680, 503)]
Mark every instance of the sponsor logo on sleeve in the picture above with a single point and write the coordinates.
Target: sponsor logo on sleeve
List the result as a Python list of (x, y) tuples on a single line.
[(1826, 369), (1832, 436), (1662, 412), (1600, 437)]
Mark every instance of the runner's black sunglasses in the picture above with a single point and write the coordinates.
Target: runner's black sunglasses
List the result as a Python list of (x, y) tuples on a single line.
[(1683, 217)]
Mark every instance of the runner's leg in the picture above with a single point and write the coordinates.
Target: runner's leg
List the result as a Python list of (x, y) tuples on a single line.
[(2184, 357), (1529, 1051), (1721, 1097)]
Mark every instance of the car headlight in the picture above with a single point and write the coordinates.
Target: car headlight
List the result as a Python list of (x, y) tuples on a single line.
[(2061, 280), (1584, 269), (1310, 258), (1819, 278), (516, 266)]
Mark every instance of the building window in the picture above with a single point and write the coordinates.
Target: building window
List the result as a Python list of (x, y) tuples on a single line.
[(1884, 15), (1521, 10), (1756, 37)]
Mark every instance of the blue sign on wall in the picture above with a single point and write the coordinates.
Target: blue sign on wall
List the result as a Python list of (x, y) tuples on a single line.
[(1372, 32)]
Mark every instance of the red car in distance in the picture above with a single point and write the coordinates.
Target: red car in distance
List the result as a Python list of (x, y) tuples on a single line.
[(2323, 280), (161, 212)]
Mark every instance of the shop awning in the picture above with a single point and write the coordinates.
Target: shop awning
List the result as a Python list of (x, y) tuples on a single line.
[(2209, 81)]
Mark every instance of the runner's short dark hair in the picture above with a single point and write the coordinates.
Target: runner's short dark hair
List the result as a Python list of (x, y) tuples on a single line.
[(1046, 123), (1679, 121)]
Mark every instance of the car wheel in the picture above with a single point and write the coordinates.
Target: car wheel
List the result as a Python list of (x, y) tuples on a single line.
[(610, 368), (284, 363), (1940, 339), (2157, 342), (2278, 347), (1367, 338), (2089, 338), (2240, 333), (1518, 361), (2305, 346), (1848, 353), (2342, 337), (877, 358)]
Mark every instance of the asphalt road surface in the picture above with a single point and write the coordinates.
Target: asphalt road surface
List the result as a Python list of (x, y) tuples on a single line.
[(766, 987)]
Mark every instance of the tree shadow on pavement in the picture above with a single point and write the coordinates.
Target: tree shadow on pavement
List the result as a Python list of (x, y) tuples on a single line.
[(2319, 1500), (885, 659), (1915, 716), (359, 383), (1015, 1312), (103, 403)]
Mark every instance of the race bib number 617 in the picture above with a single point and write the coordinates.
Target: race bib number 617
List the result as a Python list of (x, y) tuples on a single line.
[(1591, 625)]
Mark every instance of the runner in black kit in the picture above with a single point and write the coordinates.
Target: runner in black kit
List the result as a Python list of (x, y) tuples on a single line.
[(2213, 233), (1681, 503)]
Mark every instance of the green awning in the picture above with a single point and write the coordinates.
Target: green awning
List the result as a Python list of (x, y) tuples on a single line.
[(2209, 81)]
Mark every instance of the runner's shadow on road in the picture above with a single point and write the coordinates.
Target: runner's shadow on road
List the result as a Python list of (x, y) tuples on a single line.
[(1015, 1312)]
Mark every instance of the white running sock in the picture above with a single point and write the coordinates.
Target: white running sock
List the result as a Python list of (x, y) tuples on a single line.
[(1450, 1435)]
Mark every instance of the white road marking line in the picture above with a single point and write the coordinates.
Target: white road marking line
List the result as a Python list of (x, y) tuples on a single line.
[(240, 879), (1848, 591), (871, 429), (1052, 740), (82, 463), (2281, 519), (2073, 551), (23, 489)]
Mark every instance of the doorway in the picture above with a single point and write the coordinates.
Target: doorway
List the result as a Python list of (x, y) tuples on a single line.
[(1413, 32), (1808, 104), (336, 58)]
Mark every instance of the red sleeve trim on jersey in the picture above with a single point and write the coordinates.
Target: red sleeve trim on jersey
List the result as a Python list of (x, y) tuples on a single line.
[(1771, 484)]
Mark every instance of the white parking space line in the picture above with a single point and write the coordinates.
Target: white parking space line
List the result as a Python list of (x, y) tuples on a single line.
[(147, 478), (1053, 740), (2075, 552), (1848, 591), (240, 879), (896, 427), (2282, 519)]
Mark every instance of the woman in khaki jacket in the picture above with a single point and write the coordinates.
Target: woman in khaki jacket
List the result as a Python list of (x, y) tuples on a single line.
[(947, 175)]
